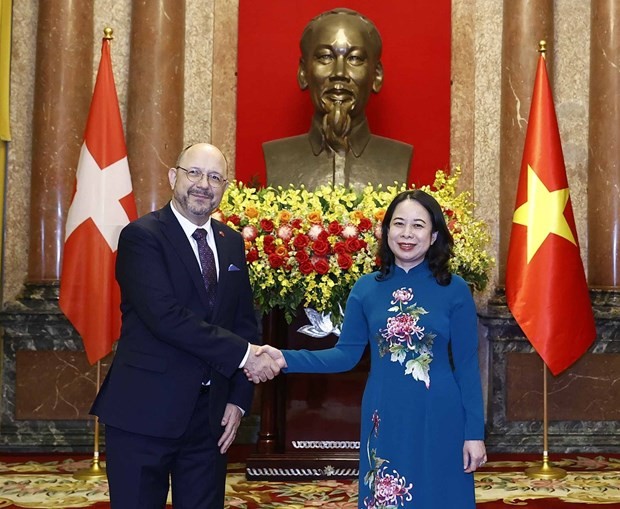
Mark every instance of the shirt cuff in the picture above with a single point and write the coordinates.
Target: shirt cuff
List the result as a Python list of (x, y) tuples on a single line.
[(245, 357)]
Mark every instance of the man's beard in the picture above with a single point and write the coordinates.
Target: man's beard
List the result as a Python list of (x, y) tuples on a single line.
[(196, 209), (337, 124)]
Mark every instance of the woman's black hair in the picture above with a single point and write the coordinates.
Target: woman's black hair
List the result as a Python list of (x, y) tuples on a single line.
[(439, 253)]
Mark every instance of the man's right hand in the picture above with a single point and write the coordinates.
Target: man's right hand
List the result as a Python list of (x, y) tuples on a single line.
[(260, 366)]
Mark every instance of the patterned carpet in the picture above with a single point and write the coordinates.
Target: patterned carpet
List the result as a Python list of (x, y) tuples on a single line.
[(592, 480)]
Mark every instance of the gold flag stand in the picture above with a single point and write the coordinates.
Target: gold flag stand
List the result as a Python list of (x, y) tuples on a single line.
[(96, 471), (546, 470)]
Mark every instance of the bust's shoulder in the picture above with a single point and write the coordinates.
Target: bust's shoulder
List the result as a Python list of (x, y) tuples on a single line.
[(289, 143), (382, 143)]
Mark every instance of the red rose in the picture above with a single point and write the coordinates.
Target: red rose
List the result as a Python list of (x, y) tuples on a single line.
[(234, 219), (296, 223), (320, 247), (266, 225), (321, 266), (268, 239), (365, 224), (269, 248), (334, 228), (340, 248), (323, 236), (301, 241), (302, 256), (352, 245), (275, 261), (306, 267), (345, 261), (252, 255)]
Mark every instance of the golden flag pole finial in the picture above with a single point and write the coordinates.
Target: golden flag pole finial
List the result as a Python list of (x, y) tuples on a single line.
[(542, 48), (108, 33)]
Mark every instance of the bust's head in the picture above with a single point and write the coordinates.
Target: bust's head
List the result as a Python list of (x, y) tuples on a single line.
[(341, 66)]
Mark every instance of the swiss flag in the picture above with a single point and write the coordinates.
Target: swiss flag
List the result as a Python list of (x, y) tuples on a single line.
[(102, 205), (546, 288)]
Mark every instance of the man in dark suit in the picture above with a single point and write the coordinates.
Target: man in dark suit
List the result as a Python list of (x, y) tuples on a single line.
[(175, 393)]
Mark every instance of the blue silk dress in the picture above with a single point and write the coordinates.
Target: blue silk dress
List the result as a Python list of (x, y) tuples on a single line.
[(416, 409)]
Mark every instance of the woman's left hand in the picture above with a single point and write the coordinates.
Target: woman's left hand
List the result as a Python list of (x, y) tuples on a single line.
[(474, 455)]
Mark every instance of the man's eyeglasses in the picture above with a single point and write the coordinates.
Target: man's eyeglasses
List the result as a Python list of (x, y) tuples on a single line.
[(195, 176)]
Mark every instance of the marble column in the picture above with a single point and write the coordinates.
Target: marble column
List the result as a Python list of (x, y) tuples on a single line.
[(604, 146), (525, 23), (155, 98), (224, 91), (62, 96)]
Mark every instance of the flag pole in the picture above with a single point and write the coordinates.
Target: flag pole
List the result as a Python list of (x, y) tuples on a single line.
[(546, 470), (96, 471)]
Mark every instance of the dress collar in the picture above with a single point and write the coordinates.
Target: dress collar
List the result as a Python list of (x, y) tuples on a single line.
[(421, 267)]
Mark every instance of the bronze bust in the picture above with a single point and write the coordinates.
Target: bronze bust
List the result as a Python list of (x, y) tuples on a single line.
[(341, 66)]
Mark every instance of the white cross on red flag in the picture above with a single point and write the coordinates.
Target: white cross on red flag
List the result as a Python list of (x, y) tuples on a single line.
[(102, 205)]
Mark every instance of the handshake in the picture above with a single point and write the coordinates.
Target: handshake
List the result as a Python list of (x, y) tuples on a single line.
[(264, 363)]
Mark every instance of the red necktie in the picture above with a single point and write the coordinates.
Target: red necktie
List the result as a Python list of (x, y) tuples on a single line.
[(207, 262)]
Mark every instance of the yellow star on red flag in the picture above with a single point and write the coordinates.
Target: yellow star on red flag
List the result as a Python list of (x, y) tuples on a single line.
[(546, 287), (543, 213)]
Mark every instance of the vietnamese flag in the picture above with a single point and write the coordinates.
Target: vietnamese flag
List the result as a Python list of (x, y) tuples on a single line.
[(546, 288), (102, 205)]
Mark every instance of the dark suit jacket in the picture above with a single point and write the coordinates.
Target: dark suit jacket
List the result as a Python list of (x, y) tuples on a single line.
[(166, 347)]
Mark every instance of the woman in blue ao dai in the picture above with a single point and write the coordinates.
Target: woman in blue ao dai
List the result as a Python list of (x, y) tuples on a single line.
[(422, 420)]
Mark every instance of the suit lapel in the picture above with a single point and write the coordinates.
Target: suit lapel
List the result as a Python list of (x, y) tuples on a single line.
[(223, 250), (180, 243)]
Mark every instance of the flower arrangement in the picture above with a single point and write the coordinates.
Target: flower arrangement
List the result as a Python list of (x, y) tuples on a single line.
[(309, 247)]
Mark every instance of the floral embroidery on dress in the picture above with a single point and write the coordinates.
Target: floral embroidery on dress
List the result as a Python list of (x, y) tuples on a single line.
[(404, 339), (376, 420), (388, 490)]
